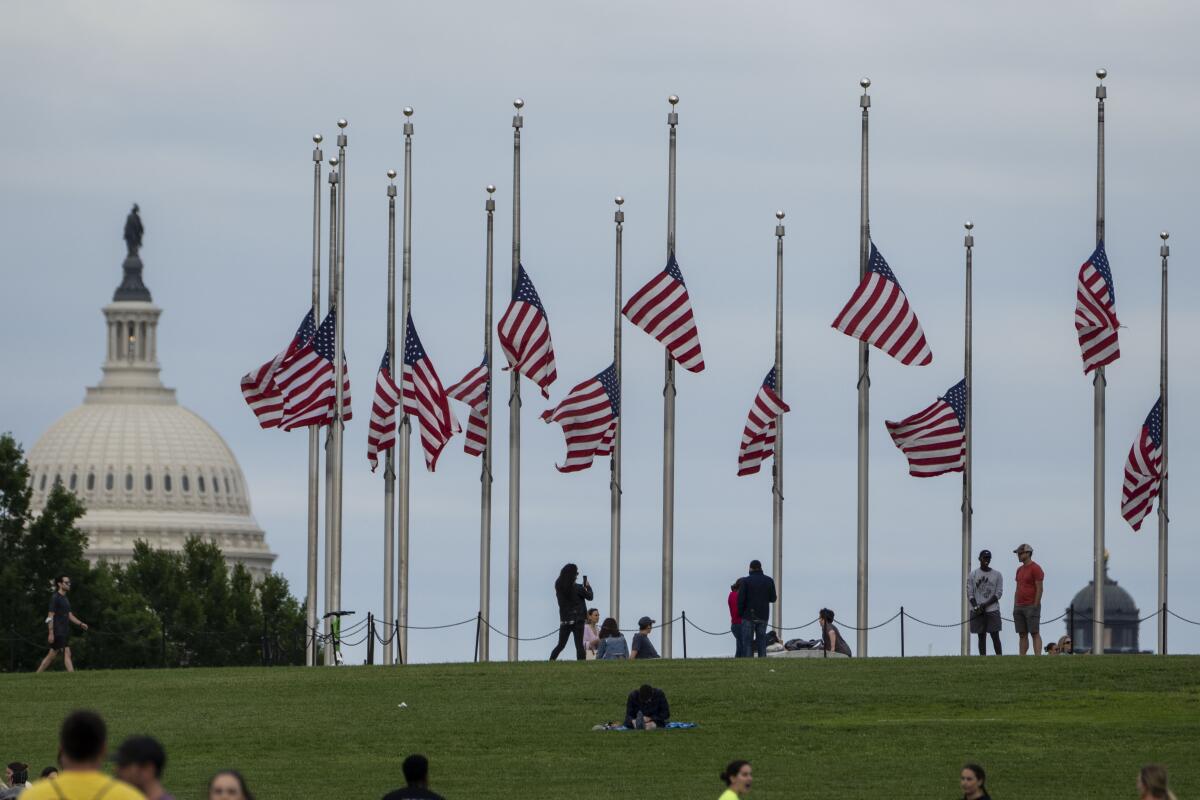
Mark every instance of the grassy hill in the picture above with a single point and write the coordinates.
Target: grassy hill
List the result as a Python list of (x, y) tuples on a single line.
[(1044, 728)]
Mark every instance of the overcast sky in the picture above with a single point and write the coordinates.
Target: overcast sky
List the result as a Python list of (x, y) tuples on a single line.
[(203, 114)]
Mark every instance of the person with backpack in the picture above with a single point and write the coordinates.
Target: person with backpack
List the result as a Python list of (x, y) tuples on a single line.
[(82, 748)]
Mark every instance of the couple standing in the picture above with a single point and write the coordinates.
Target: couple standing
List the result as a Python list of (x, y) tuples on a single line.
[(750, 600)]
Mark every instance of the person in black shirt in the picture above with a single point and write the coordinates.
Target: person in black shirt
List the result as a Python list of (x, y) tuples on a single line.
[(59, 623), (416, 775), (572, 609), (646, 708)]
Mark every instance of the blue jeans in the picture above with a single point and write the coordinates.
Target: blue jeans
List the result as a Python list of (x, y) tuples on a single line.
[(754, 638), (736, 629)]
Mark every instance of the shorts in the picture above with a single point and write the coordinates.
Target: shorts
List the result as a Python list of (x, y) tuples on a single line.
[(1027, 619), (61, 642), (986, 622)]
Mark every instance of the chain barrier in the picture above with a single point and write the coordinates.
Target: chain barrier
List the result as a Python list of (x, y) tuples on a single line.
[(1184, 619)]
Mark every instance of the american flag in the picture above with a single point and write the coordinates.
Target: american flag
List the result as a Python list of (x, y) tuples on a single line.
[(381, 434), (934, 439), (258, 385), (663, 309), (1143, 470), (588, 415), (758, 437), (878, 313), (425, 398), (306, 379), (1096, 312), (525, 335), (473, 390)]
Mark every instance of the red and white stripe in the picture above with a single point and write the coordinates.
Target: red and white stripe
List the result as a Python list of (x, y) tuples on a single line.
[(258, 385), (588, 419), (758, 437), (473, 390), (663, 309), (425, 399), (1096, 314), (879, 314), (524, 333), (381, 433), (306, 379), (932, 440), (1143, 473)]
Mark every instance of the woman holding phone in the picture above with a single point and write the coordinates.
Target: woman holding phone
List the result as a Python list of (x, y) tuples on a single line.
[(572, 609)]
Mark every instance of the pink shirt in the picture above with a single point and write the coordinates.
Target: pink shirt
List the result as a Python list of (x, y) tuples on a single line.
[(734, 617), (591, 639)]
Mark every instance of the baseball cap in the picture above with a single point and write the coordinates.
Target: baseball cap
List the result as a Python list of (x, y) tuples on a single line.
[(985, 553), (140, 750), (644, 621), (1023, 549)]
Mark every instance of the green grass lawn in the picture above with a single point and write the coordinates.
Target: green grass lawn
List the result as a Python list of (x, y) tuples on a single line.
[(1043, 727)]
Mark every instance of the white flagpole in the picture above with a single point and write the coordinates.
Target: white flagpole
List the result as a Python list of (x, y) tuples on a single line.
[(864, 385), (389, 468), (1099, 571), (777, 467), (514, 414), (314, 432), (614, 484), (1163, 516), (405, 432), (668, 544), (967, 508), (485, 475), (330, 482)]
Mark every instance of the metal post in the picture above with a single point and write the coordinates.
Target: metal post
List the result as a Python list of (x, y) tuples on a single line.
[(614, 483), (314, 432), (389, 467), (405, 432), (339, 370), (668, 544), (478, 632), (370, 639), (864, 383), (330, 482), (514, 413), (902, 631), (683, 630), (1098, 383), (967, 507), (485, 476), (777, 467), (1163, 516)]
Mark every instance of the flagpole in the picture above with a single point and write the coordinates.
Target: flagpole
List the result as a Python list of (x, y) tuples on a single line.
[(1098, 384), (777, 467), (314, 432), (327, 654), (389, 471), (967, 507), (864, 383), (485, 476), (1163, 516), (514, 413), (405, 433), (668, 546), (614, 484), (339, 370)]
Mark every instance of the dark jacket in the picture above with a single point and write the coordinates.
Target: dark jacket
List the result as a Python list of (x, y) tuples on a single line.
[(755, 597), (656, 708), (572, 604)]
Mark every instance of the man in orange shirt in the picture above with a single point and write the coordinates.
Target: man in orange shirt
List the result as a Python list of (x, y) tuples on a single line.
[(1027, 604)]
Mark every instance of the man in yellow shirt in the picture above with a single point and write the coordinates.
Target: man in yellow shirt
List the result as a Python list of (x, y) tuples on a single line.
[(82, 747)]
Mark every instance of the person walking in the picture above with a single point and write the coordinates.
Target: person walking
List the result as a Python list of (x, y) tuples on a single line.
[(228, 784), (973, 782), (572, 609), (984, 588), (646, 708), (416, 776), (755, 596), (735, 619), (612, 642), (140, 762), (1027, 605), (1152, 783), (737, 778), (831, 638), (591, 633), (642, 647), (58, 622), (82, 747)]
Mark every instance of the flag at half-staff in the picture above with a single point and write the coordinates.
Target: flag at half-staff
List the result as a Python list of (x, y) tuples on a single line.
[(306, 379), (525, 335), (1143, 470), (758, 437), (588, 416), (933, 439), (1096, 312), (425, 399), (381, 433), (663, 309), (473, 390), (258, 386), (879, 314)]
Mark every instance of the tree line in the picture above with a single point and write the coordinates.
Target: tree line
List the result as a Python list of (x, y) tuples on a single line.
[(162, 609)]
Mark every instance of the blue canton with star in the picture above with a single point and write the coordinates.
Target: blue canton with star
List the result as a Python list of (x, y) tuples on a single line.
[(307, 329), (525, 291), (673, 268), (608, 379), (386, 364), (413, 351), (878, 265), (956, 396), (323, 341), (770, 381), (1154, 424), (1099, 260)]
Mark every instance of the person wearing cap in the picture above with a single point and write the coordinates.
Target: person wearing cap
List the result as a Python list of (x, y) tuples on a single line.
[(82, 748), (140, 761), (642, 647), (646, 708), (1027, 605), (755, 596), (984, 588)]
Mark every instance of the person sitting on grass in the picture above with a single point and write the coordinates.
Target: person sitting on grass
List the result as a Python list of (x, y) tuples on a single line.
[(831, 637), (646, 708), (416, 775), (1064, 646), (1052, 649), (973, 782), (642, 646), (737, 777), (612, 642), (140, 761), (82, 746), (16, 775), (228, 784), (1152, 783)]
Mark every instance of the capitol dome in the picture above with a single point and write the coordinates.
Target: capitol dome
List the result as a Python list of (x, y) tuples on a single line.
[(145, 467)]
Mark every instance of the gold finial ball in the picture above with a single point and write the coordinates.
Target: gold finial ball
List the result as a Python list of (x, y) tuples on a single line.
[(673, 99), (391, 173), (1102, 73), (779, 214), (865, 83), (619, 200), (342, 123), (333, 162), (1164, 235), (518, 104), (318, 138), (408, 111), (968, 225), (491, 188)]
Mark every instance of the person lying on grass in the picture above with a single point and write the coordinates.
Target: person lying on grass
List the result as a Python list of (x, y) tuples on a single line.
[(646, 708)]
